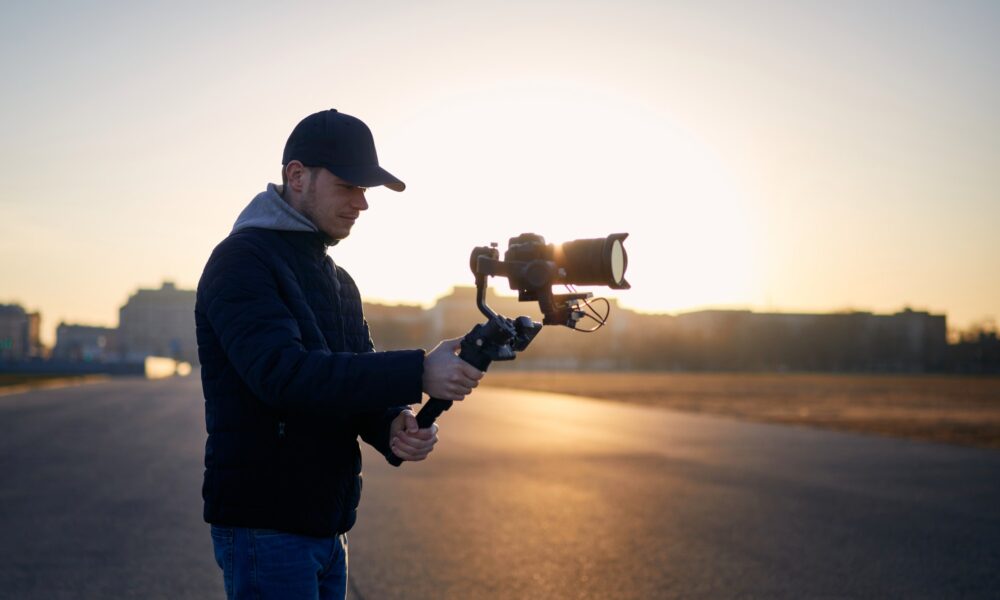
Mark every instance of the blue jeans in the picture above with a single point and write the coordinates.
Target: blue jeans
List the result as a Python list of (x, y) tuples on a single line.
[(264, 563)]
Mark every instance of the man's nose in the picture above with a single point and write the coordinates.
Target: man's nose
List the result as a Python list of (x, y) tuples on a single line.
[(360, 202)]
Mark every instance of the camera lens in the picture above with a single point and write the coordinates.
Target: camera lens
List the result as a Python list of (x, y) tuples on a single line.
[(597, 261)]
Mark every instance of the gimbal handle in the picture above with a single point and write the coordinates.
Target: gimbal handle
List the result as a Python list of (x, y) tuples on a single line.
[(472, 353)]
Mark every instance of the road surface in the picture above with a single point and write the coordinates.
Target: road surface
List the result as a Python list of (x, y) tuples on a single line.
[(527, 496)]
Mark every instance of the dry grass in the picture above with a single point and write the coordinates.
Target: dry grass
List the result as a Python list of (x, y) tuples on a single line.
[(953, 409)]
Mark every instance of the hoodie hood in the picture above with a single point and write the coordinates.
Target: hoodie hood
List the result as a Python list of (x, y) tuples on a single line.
[(268, 210)]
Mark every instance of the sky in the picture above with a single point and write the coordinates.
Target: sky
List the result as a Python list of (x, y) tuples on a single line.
[(778, 156)]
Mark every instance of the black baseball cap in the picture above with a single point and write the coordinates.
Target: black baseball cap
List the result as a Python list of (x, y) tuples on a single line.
[(343, 145)]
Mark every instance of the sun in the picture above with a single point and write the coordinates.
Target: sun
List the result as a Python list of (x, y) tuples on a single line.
[(568, 161)]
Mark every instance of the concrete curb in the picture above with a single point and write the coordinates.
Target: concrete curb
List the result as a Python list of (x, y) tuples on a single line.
[(54, 383)]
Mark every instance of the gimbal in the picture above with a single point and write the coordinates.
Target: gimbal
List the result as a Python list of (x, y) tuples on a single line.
[(532, 267)]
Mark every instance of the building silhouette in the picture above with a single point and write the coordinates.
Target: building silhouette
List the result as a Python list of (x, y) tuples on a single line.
[(907, 341), (19, 330), (158, 322), (976, 353), (86, 343)]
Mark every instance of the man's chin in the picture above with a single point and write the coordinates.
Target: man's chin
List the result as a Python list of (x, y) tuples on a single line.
[(338, 234)]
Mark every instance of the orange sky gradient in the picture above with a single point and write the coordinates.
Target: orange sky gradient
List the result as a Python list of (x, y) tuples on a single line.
[(802, 157)]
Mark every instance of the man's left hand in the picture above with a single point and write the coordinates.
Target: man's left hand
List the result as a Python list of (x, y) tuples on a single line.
[(407, 440)]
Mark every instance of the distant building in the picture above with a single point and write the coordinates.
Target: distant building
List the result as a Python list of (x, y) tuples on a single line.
[(85, 343), (907, 341), (978, 353), (19, 329), (158, 323), (858, 341), (397, 327)]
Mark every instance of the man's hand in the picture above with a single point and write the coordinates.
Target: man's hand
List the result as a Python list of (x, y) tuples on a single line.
[(446, 376), (407, 441)]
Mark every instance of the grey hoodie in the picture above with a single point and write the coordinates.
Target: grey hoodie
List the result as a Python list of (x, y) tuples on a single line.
[(268, 210)]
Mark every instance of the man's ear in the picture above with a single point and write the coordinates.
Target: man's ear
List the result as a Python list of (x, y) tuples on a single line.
[(296, 174)]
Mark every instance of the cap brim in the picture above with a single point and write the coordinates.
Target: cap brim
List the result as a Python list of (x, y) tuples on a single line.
[(368, 176)]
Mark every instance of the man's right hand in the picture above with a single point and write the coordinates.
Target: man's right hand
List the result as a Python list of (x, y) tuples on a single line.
[(446, 376)]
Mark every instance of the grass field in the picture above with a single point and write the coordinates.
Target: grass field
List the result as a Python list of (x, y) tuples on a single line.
[(952, 409)]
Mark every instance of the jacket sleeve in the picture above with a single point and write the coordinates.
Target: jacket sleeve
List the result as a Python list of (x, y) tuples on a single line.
[(373, 428), (262, 340)]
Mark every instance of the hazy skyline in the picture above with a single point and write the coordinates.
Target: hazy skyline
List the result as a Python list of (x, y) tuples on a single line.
[(789, 156)]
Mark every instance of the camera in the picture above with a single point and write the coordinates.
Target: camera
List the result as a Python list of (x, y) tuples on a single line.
[(596, 261), (532, 267)]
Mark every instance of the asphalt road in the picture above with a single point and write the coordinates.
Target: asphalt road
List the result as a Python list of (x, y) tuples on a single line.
[(527, 496)]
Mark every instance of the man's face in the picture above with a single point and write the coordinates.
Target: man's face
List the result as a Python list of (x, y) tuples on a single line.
[(331, 203)]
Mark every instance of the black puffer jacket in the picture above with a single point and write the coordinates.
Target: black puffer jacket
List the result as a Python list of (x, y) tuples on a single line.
[(290, 381)]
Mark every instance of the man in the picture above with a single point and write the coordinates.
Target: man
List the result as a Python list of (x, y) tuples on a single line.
[(290, 376)]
